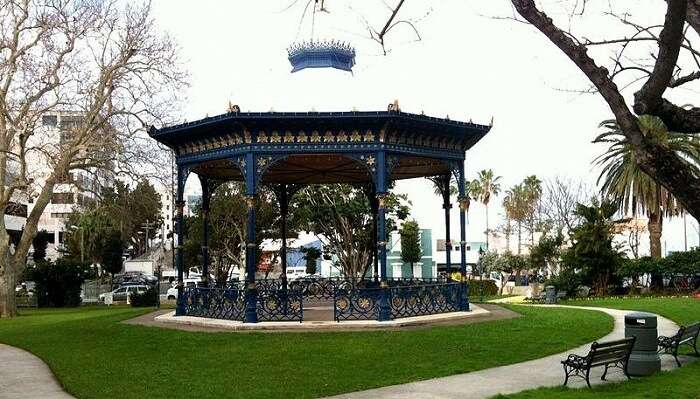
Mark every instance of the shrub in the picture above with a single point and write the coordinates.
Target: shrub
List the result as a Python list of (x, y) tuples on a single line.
[(489, 288), (145, 299), (58, 283), (567, 280)]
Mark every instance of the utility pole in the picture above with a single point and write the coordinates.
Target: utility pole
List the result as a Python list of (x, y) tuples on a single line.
[(148, 226)]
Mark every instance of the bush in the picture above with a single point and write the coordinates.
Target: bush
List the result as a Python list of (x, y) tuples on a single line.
[(58, 283), (489, 288), (567, 280), (146, 299)]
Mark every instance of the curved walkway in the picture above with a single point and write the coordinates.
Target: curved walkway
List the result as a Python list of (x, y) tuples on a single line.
[(23, 375), (546, 371)]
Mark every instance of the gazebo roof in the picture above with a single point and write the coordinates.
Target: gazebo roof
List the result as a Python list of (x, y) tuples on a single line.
[(175, 135), (320, 147)]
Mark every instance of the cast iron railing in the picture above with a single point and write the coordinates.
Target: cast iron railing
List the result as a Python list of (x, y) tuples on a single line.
[(420, 300), (278, 304), (357, 303), (215, 303)]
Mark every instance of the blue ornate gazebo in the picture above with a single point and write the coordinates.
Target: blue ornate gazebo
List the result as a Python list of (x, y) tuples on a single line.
[(288, 150)]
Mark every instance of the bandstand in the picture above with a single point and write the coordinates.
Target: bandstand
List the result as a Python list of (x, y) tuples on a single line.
[(288, 150)]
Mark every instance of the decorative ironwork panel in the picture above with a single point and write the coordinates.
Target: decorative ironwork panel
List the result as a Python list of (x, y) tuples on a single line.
[(320, 288), (279, 304), (356, 303), (425, 299), (215, 303)]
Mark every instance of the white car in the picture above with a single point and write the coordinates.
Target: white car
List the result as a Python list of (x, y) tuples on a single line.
[(171, 294), (123, 292)]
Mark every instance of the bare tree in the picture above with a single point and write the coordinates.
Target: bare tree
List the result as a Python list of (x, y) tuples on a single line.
[(559, 202), (101, 61), (657, 74)]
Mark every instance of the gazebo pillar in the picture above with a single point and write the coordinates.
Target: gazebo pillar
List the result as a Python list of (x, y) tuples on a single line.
[(381, 191), (284, 212), (206, 198), (179, 256), (446, 205), (463, 208), (251, 291)]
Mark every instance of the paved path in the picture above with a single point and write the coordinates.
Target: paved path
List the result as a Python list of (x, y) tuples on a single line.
[(513, 378), (24, 375)]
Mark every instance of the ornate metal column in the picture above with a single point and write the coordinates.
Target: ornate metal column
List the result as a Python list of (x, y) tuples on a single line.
[(179, 256), (251, 293), (206, 198), (446, 205), (463, 208), (374, 205), (381, 189), (283, 197)]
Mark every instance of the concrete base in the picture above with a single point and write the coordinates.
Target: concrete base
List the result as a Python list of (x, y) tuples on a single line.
[(643, 364), (233, 325)]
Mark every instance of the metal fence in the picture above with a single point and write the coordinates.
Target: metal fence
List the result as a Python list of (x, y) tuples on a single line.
[(91, 291)]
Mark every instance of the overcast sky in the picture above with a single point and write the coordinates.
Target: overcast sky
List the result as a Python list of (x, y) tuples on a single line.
[(467, 65)]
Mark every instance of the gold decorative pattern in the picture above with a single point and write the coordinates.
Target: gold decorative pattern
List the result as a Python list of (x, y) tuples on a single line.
[(328, 137), (342, 137), (464, 204), (288, 137), (355, 137), (369, 136), (381, 200), (275, 138), (302, 137), (250, 201), (247, 137), (315, 137), (370, 160), (262, 137)]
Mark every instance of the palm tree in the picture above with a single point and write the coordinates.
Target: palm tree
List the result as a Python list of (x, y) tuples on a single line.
[(516, 205), (624, 181), (481, 189), (533, 193)]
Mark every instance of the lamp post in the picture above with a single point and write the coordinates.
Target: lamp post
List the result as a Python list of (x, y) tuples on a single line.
[(481, 273)]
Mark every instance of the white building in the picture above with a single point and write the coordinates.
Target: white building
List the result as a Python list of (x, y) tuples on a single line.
[(76, 189)]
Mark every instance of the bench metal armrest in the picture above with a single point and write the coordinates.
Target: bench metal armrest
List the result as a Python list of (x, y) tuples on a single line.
[(576, 361)]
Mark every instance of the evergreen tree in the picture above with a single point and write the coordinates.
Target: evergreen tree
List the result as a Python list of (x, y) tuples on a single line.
[(113, 249), (410, 242), (40, 243)]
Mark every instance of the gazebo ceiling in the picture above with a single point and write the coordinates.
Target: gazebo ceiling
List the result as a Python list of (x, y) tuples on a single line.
[(322, 169)]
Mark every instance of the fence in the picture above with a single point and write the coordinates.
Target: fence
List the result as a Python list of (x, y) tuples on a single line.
[(91, 290)]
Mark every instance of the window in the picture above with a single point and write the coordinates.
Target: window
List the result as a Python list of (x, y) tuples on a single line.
[(121, 290), (62, 198), (16, 209), (49, 120)]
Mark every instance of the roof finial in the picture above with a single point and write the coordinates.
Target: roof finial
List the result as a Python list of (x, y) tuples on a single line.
[(394, 106), (233, 108), (491, 124)]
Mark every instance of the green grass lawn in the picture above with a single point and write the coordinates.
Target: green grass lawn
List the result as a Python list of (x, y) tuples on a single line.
[(95, 356), (677, 384)]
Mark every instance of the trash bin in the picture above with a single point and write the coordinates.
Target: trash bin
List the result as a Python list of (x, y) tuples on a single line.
[(550, 295), (644, 360)]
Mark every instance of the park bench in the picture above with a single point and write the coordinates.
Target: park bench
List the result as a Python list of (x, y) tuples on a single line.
[(687, 335), (608, 354)]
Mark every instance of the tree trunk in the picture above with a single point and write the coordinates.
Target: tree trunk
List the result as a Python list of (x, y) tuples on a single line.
[(487, 227), (520, 236), (655, 229), (655, 226), (8, 282)]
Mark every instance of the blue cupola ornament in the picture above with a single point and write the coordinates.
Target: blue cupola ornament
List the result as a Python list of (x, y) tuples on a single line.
[(316, 53), (321, 54)]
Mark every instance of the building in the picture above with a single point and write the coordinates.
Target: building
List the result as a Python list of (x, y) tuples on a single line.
[(77, 188)]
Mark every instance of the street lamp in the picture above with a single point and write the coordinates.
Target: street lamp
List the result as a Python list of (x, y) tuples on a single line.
[(481, 273)]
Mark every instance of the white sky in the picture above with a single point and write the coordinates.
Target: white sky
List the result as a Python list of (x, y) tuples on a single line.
[(467, 66)]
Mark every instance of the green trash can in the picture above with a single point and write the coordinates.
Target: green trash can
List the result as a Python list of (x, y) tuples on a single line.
[(644, 359)]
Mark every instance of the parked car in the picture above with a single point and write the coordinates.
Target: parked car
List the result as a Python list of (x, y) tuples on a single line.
[(123, 292), (188, 282)]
